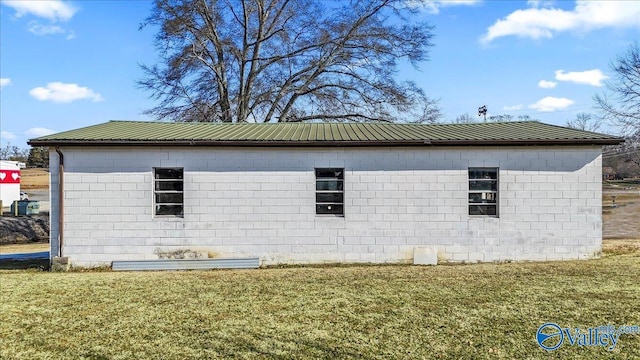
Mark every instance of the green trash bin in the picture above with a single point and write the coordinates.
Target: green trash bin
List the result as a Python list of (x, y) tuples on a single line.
[(26, 207)]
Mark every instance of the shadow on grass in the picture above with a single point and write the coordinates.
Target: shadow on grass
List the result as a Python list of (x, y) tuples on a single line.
[(24, 264)]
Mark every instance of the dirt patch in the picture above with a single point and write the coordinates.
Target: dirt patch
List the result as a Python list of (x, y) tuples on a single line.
[(34, 179), (24, 229), (621, 218)]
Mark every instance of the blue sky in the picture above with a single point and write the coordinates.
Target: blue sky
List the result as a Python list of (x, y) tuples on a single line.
[(68, 64)]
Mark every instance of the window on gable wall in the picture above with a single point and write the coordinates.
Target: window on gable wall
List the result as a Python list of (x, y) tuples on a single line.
[(168, 192), (330, 191), (483, 191)]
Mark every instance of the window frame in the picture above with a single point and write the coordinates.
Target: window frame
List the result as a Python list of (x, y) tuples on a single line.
[(339, 190), (157, 192), (486, 194)]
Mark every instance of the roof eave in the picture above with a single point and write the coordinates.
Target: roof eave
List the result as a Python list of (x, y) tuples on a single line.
[(346, 143), (541, 142), (248, 143)]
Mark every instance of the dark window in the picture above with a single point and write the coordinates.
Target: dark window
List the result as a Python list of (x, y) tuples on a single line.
[(168, 192), (330, 191), (483, 191)]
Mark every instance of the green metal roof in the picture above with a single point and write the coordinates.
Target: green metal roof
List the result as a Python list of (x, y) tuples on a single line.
[(323, 134)]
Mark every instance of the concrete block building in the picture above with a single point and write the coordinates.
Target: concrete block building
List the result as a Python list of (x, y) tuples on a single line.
[(318, 192)]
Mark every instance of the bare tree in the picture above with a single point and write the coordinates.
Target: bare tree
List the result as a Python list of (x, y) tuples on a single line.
[(624, 158), (621, 105), (500, 118), (286, 60), (584, 121), (13, 153), (465, 119), (631, 148)]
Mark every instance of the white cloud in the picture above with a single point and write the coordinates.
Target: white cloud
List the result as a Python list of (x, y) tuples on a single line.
[(540, 3), (514, 107), (7, 135), (538, 23), (64, 93), (4, 82), (38, 29), (54, 10), (545, 84), (590, 77), (549, 104), (433, 6), (39, 131)]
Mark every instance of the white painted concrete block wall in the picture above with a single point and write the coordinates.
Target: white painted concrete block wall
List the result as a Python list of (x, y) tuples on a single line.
[(261, 202)]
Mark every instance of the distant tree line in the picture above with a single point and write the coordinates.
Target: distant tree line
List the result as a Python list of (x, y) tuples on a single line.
[(34, 157), (467, 119), (13, 153), (624, 159)]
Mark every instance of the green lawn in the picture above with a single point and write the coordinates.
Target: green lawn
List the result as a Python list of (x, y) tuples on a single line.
[(383, 312)]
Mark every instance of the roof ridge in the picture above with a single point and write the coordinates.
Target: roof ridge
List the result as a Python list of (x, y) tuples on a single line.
[(326, 123)]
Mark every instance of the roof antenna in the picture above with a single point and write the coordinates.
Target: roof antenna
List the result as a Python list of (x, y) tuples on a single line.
[(482, 110)]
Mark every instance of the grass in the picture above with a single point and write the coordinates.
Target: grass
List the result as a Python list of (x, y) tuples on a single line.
[(24, 248), (621, 247), (370, 312), (633, 183)]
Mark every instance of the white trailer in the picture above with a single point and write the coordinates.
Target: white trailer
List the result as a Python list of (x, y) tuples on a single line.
[(9, 182)]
